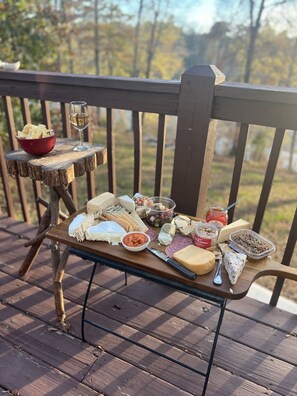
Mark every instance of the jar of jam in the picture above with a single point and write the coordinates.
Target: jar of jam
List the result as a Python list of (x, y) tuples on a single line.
[(217, 216), (206, 235)]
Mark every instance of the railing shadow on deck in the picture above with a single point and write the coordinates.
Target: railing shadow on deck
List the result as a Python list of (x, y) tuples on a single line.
[(197, 102)]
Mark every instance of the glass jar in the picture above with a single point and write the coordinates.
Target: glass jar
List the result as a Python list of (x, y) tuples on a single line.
[(217, 215), (206, 235)]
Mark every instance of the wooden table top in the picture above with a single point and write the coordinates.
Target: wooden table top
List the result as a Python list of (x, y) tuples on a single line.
[(59, 167), (147, 261)]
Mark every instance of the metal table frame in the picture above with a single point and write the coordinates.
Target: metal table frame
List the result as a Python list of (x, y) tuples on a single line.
[(216, 300)]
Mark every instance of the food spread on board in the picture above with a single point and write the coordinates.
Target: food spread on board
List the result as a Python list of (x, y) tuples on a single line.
[(144, 222)]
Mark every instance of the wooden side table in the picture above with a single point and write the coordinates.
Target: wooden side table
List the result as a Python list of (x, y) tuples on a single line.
[(56, 170)]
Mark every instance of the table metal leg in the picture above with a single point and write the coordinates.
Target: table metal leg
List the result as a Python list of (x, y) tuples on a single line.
[(218, 301), (214, 345), (85, 302)]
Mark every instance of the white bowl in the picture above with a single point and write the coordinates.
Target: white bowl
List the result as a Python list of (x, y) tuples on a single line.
[(135, 236)]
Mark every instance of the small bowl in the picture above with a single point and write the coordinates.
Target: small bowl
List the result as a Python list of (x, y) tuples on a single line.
[(161, 211), (38, 147), (135, 241)]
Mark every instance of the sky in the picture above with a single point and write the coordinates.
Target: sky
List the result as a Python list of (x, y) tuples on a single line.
[(195, 15), (200, 15)]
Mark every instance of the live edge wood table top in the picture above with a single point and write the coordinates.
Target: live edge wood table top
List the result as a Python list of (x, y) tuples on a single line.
[(59, 167), (147, 262)]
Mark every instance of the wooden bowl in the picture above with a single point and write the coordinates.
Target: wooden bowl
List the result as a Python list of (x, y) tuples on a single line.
[(38, 147)]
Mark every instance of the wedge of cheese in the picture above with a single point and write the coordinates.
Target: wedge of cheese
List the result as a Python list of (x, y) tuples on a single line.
[(198, 260), (101, 202), (232, 227), (234, 264), (127, 202)]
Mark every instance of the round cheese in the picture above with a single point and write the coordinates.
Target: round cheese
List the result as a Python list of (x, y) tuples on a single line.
[(198, 260)]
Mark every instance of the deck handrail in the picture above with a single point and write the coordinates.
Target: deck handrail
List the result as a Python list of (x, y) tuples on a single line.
[(199, 99)]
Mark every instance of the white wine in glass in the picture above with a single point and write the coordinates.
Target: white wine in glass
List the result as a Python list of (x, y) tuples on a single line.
[(79, 119)]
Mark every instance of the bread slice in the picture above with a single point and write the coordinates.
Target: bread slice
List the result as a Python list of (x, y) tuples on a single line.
[(142, 226), (118, 219)]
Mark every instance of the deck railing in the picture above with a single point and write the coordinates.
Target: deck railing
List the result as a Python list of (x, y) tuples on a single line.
[(198, 101)]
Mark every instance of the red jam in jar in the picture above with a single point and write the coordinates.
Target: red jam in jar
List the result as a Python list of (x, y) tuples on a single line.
[(206, 235), (217, 216)]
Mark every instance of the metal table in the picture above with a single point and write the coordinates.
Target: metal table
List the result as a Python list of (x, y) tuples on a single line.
[(147, 266)]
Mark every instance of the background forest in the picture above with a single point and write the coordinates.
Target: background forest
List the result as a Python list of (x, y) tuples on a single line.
[(250, 41)]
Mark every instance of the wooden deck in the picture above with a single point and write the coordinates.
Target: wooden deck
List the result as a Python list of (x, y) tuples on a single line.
[(256, 352)]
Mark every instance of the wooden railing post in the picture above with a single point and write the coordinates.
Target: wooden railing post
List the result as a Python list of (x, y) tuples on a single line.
[(195, 139)]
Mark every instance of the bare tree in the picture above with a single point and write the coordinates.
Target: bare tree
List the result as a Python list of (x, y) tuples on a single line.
[(96, 38), (255, 20), (155, 35), (255, 23), (135, 71), (288, 83)]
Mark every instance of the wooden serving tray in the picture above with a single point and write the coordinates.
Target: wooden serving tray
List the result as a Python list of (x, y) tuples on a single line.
[(146, 261)]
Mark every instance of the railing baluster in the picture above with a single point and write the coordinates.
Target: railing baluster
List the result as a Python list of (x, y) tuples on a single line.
[(66, 128), (160, 154), (45, 111), (91, 184), (291, 243), (35, 184), (13, 144), (5, 182), (270, 171), (66, 131), (137, 130), (243, 134), (110, 152), (90, 176)]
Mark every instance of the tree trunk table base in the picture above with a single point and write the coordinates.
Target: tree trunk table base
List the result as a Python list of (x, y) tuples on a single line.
[(56, 170)]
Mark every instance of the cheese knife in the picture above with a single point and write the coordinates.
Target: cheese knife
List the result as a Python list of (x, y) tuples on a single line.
[(177, 266)]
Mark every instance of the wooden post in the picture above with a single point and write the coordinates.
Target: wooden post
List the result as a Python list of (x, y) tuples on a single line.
[(195, 139)]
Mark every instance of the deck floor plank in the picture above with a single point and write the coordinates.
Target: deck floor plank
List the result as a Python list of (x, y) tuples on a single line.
[(226, 379), (32, 377), (253, 357), (47, 343)]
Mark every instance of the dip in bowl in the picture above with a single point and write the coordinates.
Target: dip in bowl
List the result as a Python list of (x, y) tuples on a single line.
[(135, 241)]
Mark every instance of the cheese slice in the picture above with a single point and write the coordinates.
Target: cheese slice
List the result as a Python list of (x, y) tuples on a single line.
[(234, 263), (127, 202), (76, 222), (232, 227), (101, 202), (108, 231), (198, 260)]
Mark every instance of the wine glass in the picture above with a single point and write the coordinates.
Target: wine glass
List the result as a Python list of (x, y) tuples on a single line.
[(79, 119)]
